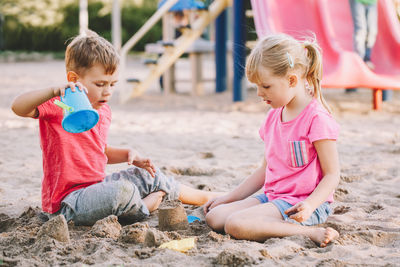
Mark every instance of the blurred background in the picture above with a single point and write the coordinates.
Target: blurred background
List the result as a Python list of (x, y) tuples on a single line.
[(45, 25)]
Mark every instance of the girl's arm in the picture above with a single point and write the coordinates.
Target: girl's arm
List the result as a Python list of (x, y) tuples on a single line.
[(120, 155), (25, 105), (249, 186), (329, 160)]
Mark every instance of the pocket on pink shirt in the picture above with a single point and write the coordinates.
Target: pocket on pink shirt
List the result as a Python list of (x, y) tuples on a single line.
[(298, 154)]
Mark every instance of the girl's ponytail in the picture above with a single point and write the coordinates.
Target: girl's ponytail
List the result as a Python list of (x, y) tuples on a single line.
[(314, 71)]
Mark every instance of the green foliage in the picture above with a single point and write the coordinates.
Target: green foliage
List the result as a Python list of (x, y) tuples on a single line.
[(20, 34), (133, 18), (34, 12)]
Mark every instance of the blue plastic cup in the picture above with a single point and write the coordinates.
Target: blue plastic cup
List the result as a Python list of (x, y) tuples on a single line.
[(79, 115)]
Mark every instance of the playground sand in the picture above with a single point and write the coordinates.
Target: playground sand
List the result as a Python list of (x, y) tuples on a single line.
[(209, 143)]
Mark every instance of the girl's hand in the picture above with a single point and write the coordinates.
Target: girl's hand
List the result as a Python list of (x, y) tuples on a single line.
[(134, 159), (60, 91), (300, 212), (214, 202)]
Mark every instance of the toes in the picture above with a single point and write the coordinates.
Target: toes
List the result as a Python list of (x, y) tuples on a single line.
[(328, 238), (330, 235), (325, 236)]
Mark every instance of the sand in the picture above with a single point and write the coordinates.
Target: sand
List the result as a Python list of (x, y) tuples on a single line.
[(209, 143)]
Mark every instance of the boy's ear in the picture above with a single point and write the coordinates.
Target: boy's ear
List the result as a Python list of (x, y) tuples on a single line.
[(72, 76), (293, 80)]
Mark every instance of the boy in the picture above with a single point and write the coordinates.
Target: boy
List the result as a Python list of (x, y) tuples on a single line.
[(74, 182)]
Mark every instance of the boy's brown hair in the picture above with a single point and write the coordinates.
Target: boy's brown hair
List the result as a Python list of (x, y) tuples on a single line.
[(86, 50)]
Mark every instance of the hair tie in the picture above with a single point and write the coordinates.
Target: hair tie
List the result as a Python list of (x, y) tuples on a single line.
[(291, 64), (309, 89)]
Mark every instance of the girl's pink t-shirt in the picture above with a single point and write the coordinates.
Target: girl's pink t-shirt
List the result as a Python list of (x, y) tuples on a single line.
[(293, 169), (70, 160)]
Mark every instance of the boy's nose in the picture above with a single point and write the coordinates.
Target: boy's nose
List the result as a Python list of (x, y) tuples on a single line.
[(107, 91)]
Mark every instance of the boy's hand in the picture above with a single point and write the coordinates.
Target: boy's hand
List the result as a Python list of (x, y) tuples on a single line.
[(60, 91), (300, 212), (134, 159), (214, 202)]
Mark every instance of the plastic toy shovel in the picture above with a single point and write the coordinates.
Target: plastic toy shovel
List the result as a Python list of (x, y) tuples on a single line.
[(192, 218), (182, 245), (79, 115)]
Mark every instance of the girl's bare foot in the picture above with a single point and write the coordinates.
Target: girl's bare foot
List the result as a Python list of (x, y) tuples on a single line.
[(153, 200), (323, 236)]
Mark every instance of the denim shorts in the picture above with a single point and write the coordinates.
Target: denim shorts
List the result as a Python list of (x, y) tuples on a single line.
[(318, 216)]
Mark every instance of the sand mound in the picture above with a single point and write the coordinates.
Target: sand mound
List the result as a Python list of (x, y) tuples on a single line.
[(209, 143)]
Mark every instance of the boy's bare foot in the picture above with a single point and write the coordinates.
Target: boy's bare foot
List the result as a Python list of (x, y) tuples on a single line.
[(323, 236), (153, 200), (191, 196)]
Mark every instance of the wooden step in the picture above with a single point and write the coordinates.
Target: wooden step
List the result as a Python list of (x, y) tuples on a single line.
[(173, 50), (150, 61), (167, 44), (132, 80)]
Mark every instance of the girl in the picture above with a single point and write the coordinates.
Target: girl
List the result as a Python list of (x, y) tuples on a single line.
[(300, 169)]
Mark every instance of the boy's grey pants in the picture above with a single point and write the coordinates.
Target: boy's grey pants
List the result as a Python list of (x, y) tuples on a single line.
[(119, 194)]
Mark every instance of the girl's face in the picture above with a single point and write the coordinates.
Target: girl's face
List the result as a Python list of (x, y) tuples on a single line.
[(274, 90), (99, 84)]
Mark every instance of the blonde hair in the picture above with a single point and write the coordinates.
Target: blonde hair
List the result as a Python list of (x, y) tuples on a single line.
[(280, 53), (88, 49)]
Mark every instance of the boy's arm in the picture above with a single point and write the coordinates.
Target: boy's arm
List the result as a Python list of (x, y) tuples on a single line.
[(25, 105), (116, 155), (132, 157), (329, 160)]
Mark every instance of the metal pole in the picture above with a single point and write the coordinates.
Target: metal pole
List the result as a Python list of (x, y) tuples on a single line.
[(239, 50), (116, 24), (220, 52), (83, 16)]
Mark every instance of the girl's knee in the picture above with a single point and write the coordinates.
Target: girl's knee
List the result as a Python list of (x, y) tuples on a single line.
[(210, 219), (215, 220)]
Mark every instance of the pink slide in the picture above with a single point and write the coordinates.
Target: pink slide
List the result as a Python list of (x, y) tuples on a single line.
[(331, 22)]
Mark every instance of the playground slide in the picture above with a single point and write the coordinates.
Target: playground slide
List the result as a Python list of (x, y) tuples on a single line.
[(331, 22)]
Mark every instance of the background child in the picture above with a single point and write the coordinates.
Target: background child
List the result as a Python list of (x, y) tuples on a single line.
[(300, 169), (74, 182)]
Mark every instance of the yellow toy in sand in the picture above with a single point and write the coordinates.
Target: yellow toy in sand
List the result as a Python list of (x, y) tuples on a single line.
[(182, 245)]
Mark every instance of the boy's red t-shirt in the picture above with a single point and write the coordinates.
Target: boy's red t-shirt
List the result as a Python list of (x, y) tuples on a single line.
[(70, 160)]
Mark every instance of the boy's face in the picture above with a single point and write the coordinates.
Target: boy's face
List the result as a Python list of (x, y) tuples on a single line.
[(99, 84)]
